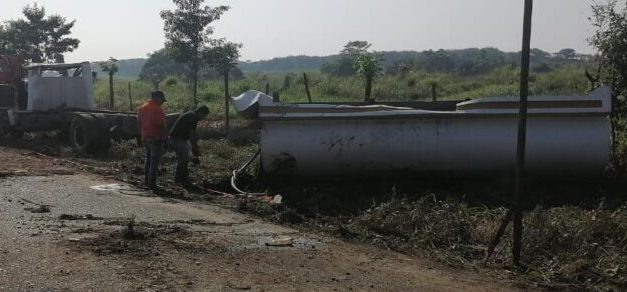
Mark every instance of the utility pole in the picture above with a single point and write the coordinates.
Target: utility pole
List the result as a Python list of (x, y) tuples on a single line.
[(522, 133), (515, 213)]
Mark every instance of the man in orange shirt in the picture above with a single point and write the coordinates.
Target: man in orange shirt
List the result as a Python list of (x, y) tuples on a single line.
[(153, 127)]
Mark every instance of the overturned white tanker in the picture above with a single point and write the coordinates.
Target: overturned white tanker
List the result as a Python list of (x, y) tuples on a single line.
[(566, 135)]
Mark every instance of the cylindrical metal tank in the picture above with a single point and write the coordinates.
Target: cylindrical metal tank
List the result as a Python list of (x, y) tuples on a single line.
[(566, 135), (460, 143)]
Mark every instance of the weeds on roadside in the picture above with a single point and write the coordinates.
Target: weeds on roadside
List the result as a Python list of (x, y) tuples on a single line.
[(571, 246)]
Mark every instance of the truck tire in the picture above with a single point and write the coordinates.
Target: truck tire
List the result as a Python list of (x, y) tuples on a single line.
[(88, 135)]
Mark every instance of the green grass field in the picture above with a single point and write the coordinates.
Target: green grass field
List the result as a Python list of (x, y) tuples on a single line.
[(290, 86)]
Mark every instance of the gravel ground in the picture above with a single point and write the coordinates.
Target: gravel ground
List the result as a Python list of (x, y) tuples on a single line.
[(60, 233)]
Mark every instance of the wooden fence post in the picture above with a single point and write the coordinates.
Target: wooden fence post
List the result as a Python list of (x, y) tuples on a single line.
[(130, 98), (307, 87), (226, 103)]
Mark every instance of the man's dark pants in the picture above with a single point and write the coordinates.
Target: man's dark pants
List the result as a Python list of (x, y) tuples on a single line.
[(153, 150), (181, 148)]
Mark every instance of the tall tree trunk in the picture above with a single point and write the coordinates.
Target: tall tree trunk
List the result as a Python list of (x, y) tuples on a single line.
[(110, 91), (226, 102), (368, 89)]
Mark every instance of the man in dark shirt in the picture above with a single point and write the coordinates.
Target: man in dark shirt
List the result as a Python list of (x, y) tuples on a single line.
[(183, 134)]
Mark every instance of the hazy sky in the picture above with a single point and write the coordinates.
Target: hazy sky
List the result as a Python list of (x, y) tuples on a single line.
[(271, 28)]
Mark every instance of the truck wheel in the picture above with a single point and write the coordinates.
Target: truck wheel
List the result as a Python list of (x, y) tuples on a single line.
[(88, 135)]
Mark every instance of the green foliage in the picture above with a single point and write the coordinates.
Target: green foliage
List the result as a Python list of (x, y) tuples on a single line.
[(222, 56), (187, 32), (38, 38), (355, 48), (187, 29), (345, 65), (466, 62), (415, 85), (159, 66), (110, 66), (368, 65), (610, 39), (568, 54), (287, 64), (172, 81)]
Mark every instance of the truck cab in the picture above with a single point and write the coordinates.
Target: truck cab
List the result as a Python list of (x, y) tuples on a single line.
[(60, 87)]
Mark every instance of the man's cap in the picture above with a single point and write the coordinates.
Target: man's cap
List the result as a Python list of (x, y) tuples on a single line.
[(158, 94)]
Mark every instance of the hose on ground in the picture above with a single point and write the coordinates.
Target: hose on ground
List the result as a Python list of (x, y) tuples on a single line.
[(238, 171)]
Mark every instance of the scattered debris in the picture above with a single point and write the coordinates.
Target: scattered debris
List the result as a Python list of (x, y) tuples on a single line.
[(34, 203), (9, 173), (40, 209), (202, 222), (282, 242), (83, 230), (79, 217), (130, 232)]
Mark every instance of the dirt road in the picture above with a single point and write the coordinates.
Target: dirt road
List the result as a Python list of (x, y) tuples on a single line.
[(62, 230)]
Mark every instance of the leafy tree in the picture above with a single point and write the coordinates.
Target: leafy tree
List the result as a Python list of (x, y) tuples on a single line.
[(568, 54), (368, 65), (355, 48), (539, 54), (111, 68), (38, 38), (187, 32), (159, 66), (223, 56), (610, 41), (344, 66)]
